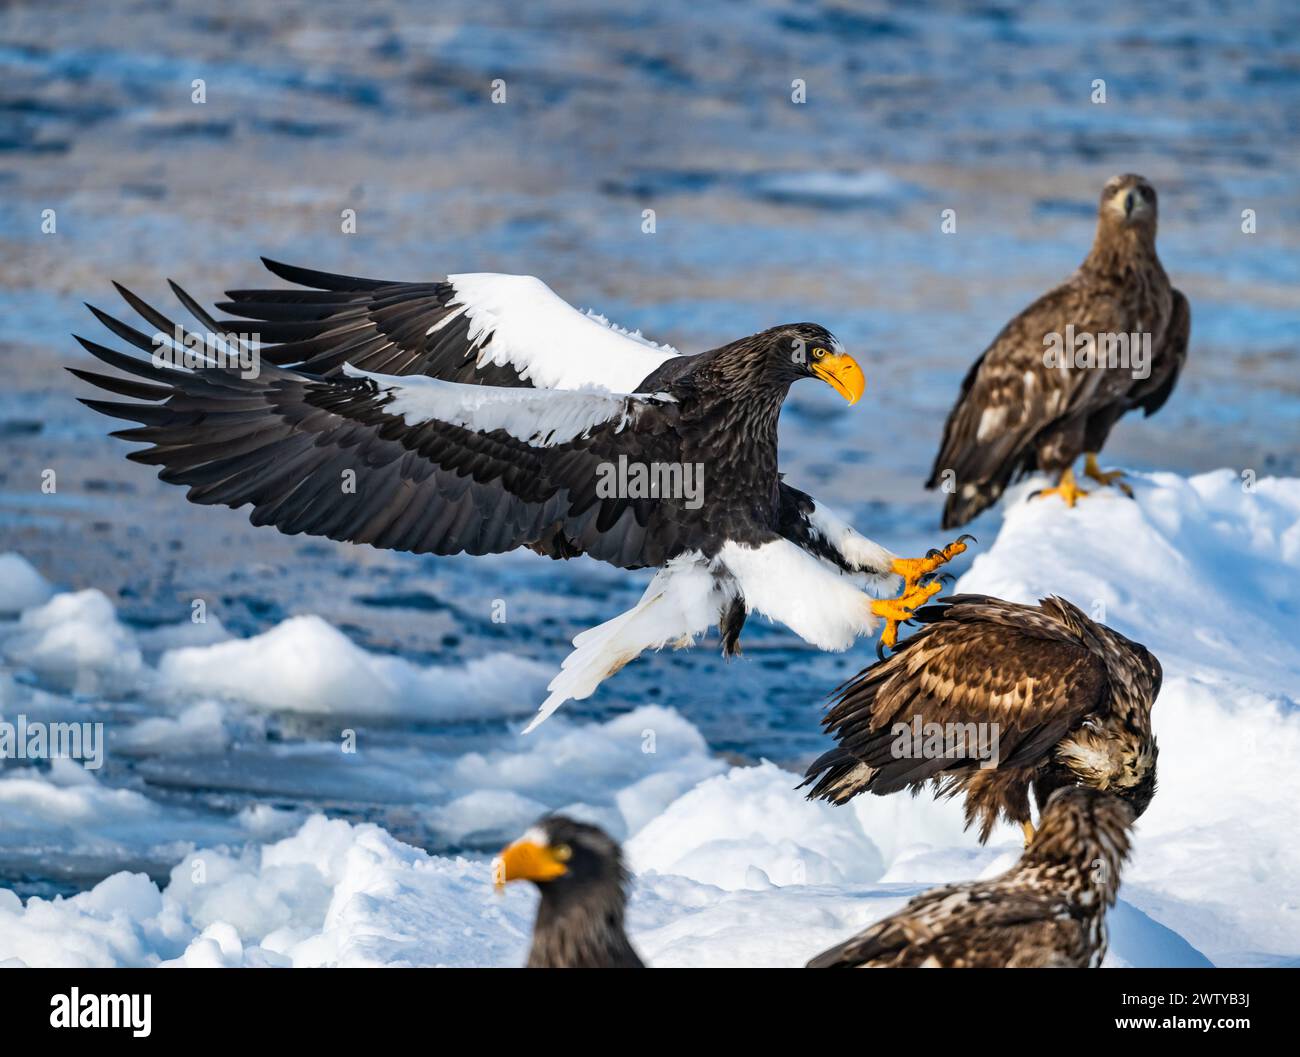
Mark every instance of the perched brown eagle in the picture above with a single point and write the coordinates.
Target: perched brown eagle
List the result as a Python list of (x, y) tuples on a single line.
[(579, 871), (1110, 339), (481, 414), (990, 698), (1046, 912)]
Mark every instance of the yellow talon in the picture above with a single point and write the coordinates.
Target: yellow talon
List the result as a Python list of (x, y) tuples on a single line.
[(1107, 477), (914, 593), (1066, 488), (897, 610), (912, 569)]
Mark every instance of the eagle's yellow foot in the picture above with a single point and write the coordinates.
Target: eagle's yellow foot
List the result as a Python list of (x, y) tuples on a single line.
[(897, 610), (913, 569), (1066, 488), (1028, 827), (1091, 469)]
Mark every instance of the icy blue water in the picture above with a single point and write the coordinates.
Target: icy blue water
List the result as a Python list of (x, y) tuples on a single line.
[(766, 210)]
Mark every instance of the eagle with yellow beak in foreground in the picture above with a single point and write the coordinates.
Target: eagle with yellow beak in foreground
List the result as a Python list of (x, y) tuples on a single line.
[(1046, 912), (580, 873), (481, 414)]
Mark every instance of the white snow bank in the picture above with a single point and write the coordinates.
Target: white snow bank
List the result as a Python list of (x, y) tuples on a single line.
[(747, 829), (74, 641), (21, 586), (306, 665)]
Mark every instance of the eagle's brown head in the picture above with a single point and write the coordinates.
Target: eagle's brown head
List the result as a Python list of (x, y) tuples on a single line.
[(1128, 201)]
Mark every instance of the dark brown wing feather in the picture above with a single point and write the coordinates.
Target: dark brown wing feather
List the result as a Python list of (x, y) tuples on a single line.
[(1151, 393), (373, 324), (1010, 396), (963, 926), (976, 660), (282, 442)]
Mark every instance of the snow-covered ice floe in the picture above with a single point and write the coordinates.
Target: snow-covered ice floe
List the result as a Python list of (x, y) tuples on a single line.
[(733, 866)]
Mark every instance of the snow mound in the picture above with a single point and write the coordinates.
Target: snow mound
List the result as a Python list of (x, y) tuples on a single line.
[(307, 665), (74, 641), (21, 586), (749, 829)]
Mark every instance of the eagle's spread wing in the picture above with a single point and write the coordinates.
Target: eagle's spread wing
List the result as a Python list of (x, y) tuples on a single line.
[(963, 926), (480, 328), (413, 464), (977, 660)]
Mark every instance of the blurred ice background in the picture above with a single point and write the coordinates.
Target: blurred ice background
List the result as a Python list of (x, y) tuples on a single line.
[(766, 211)]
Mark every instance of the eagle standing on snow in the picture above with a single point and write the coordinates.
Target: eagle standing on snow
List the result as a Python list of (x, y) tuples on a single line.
[(1110, 339), (482, 414), (990, 697), (1046, 912), (580, 873)]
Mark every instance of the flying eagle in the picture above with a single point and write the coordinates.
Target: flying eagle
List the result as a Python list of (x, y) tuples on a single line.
[(482, 414), (1046, 912), (1110, 339), (579, 871), (990, 697)]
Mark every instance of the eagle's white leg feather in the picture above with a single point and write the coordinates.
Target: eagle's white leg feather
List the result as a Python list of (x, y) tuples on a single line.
[(684, 600), (785, 583), (866, 555)]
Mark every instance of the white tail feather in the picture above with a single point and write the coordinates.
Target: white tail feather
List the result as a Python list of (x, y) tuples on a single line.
[(683, 600)]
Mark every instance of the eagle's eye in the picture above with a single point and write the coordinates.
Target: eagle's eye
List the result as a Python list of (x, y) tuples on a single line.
[(818, 353), (562, 852)]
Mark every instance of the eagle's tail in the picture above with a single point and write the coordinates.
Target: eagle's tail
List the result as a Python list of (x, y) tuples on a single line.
[(683, 600), (839, 776)]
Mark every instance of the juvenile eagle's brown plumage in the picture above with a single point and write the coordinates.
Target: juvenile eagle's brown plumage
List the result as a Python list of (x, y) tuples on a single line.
[(1015, 414), (1071, 700), (1048, 911)]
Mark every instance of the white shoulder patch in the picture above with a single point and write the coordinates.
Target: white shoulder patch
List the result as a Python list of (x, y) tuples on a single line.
[(540, 418), (548, 341)]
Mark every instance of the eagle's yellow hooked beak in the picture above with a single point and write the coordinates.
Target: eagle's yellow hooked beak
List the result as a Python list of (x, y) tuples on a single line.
[(525, 860), (841, 372)]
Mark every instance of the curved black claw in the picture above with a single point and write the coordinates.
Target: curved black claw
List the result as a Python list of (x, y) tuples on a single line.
[(934, 552), (880, 650), (967, 536), (947, 578)]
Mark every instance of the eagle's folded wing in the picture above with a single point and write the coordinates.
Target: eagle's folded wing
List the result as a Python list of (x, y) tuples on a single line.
[(1011, 393), (411, 464), (977, 660), (956, 926), (480, 328), (1150, 394)]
